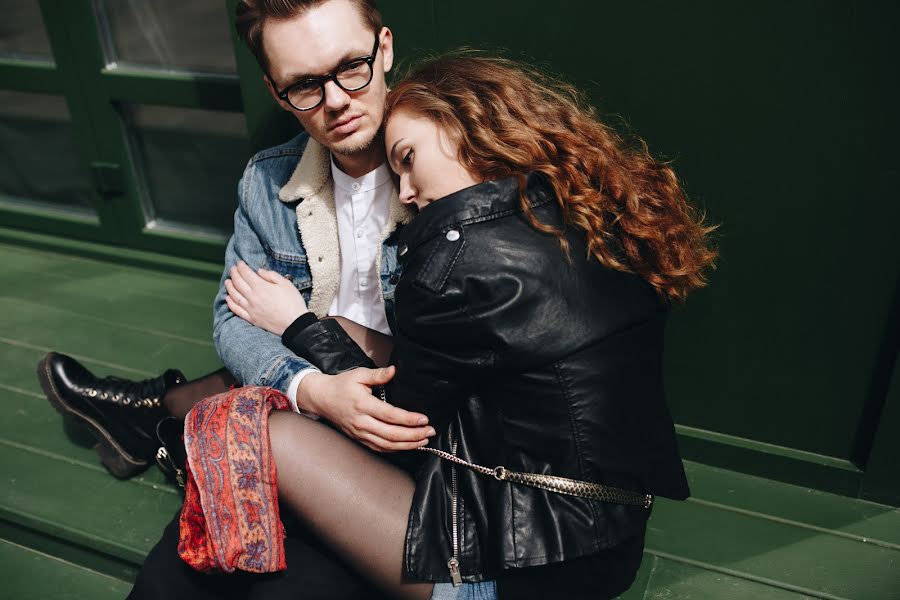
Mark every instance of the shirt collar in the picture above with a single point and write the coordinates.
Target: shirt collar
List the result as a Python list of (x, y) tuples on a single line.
[(368, 182)]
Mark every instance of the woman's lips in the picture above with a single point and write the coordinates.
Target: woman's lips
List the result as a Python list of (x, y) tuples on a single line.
[(348, 126)]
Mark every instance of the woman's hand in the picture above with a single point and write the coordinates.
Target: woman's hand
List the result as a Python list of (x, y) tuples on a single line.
[(265, 298)]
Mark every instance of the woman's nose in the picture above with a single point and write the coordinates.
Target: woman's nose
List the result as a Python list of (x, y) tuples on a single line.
[(407, 194)]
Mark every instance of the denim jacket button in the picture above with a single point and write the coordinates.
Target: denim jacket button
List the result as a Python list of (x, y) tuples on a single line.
[(393, 279)]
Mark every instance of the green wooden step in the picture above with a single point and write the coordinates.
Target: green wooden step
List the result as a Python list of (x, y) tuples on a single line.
[(738, 537), (31, 575)]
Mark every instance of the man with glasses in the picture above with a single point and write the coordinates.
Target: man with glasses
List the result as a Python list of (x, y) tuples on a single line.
[(321, 210)]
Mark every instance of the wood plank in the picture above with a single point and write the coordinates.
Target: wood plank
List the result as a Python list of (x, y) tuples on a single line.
[(865, 520), (174, 287), (32, 423), (83, 506), (42, 329), (31, 575), (753, 547), (671, 580)]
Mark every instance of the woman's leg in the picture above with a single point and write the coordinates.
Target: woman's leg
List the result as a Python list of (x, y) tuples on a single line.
[(352, 499), (180, 399)]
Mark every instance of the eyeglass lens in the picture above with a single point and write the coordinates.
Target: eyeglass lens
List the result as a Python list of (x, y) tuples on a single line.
[(350, 77)]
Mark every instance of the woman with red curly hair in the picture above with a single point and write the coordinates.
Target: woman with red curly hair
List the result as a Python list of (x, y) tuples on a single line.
[(535, 287)]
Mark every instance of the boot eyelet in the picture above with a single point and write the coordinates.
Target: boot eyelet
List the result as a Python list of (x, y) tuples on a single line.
[(104, 395), (92, 393), (117, 397), (126, 401)]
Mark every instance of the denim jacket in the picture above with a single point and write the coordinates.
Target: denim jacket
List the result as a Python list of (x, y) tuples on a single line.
[(286, 222)]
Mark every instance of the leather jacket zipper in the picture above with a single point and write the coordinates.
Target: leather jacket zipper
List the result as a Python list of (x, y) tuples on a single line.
[(453, 563)]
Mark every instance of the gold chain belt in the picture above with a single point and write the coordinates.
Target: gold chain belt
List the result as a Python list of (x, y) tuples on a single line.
[(552, 483)]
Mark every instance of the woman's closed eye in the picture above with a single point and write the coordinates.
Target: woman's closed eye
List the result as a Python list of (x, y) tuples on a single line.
[(407, 158)]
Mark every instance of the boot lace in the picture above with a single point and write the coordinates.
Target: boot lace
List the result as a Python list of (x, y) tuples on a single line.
[(146, 393)]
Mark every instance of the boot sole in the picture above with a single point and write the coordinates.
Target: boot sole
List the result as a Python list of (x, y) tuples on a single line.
[(113, 456)]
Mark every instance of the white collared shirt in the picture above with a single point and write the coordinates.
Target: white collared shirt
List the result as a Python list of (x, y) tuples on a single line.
[(363, 209)]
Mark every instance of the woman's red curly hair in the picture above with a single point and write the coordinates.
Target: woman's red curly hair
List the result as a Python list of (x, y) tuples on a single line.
[(510, 119)]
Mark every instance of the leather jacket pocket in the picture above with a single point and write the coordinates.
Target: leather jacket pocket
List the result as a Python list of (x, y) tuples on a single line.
[(443, 252)]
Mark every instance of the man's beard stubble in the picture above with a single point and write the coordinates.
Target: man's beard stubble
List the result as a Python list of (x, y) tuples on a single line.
[(359, 147)]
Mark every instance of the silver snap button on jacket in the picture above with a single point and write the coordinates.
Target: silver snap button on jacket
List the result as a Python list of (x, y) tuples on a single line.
[(452, 235)]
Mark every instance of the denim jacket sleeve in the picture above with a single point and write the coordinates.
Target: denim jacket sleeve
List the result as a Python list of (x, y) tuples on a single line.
[(254, 356)]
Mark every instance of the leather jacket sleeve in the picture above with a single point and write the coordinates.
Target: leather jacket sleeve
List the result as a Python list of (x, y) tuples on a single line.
[(325, 344)]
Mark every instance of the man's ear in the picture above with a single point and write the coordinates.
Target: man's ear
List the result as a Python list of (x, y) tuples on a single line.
[(387, 48)]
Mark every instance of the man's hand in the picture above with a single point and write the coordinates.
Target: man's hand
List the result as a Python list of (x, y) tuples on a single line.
[(346, 400)]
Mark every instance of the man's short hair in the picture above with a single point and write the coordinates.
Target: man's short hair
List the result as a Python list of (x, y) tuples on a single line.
[(251, 15)]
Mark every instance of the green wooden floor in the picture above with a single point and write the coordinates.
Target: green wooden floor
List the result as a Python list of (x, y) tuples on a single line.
[(69, 530)]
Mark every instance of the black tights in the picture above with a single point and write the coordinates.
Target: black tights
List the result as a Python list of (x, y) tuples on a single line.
[(351, 498), (355, 501), (180, 399)]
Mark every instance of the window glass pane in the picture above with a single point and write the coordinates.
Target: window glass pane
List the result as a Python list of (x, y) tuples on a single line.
[(22, 30), (191, 161), (39, 156), (170, 34)]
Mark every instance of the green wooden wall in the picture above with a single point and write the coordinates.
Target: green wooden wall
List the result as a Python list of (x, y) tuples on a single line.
[(781, 119)]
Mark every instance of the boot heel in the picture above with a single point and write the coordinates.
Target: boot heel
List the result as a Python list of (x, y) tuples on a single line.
[(116, 463)]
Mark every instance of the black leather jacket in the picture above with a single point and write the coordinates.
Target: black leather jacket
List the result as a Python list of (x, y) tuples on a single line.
[(524, 359)]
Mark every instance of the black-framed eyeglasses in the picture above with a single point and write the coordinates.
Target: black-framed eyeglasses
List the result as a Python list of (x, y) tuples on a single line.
[(351, 76)]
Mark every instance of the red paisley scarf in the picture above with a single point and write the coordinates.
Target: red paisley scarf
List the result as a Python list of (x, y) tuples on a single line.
[(230, 518)]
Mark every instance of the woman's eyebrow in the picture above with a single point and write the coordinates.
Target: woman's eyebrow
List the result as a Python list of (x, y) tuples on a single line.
[(392, 157)]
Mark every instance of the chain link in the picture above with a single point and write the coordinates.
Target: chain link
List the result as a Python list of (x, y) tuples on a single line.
[(552, 483)]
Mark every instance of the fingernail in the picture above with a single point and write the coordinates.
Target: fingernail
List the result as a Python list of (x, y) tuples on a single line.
[(423, 421), (423, 443), (431, 432)]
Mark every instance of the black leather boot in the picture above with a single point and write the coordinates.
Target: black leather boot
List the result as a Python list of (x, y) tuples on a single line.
[(120, 413)]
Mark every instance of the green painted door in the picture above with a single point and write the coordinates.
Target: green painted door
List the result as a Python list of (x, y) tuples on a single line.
[(122, 122)]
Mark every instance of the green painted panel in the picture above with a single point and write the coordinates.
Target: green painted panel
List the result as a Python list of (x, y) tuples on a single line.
[(267, 123), (35, 132), (29, 76), (23, 31), (172, 89), (882, 482), (781, 120), (414, 30), (30, 575)]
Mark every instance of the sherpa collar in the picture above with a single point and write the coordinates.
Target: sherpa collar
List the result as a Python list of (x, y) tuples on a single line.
[(311, 174)]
